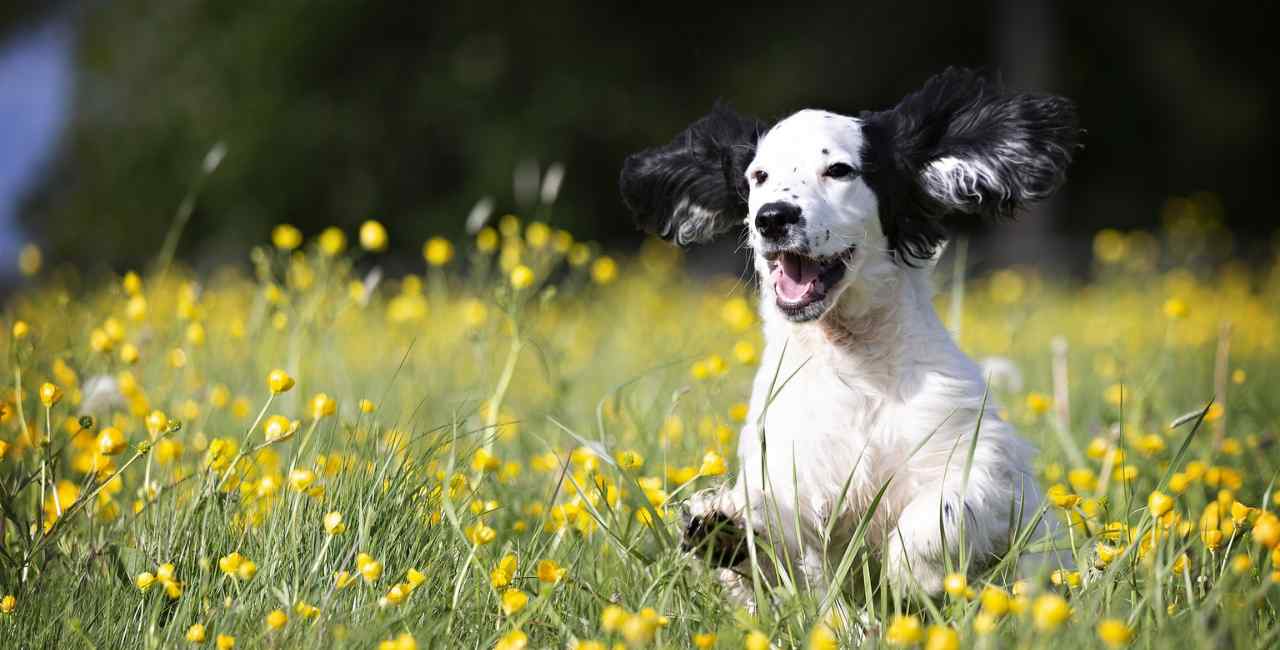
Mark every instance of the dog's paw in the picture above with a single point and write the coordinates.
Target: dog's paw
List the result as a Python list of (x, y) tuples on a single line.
[(709, 531)]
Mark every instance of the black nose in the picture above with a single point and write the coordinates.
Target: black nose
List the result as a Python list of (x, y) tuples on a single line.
[(774, 219)]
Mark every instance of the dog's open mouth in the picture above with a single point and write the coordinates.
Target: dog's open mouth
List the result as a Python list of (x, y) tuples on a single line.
[(801, 284)]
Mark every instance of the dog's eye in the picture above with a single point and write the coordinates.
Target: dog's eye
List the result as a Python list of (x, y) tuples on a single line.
[(759, 176), (838, 170)]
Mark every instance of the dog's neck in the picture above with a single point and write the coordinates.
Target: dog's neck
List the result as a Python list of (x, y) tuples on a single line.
[(883, 327)]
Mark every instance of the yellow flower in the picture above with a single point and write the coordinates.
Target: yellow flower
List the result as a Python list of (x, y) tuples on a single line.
[(342, 579), (579, 254), (745, 352), (195, 334), (373, 236), (8, 604), (955, 584), (332, 241), (480, 534), (1062, 577), (513, 600), (395, 596), (1082, 479), (502, 574), (1159, 503), (1049, 611), (550, 572), (941, 637), (612, 618), (984, 623), (1176, 309), (367, 406), (604, 270), (630, 459), (300, 479), (144, 580), (195, 633), (370, 570), (286, 237), (822, 638), (638, 630), (704, 640), (333, 523), (1114, 632), (50, 394), (306, 610), (277, 619), (111, 441), (279, 381), (712, 464), (157, 422), (1266, 530), (132, 284), (225, 642), (757, 640), (1038, 403), (1241, 564), (1107, 553), (247, 569), (323, 406), (487, 240), (513, 640), (904, 631), (404, 641), (228, 564), (438, 251), (521, 277), (995, 601), (129, 353), (20, 330), (278, 428), (1060, 497), (413, 578)]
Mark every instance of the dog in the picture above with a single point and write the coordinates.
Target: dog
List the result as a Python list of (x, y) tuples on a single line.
[(860, 386)]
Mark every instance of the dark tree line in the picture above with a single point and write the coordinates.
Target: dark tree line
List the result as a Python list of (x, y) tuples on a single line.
[(337, 111)]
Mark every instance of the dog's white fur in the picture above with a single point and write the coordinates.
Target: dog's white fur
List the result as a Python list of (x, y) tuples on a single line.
[(873, 391)]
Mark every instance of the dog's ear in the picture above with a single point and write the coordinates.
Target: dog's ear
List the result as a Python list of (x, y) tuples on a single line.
[(964, 145), (693, 189)]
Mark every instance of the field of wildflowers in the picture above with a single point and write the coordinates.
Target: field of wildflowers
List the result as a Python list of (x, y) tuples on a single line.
[(490, 452)]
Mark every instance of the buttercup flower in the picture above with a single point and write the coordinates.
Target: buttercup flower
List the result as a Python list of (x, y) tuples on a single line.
[(279, 381), (333, 523), (373, 236)]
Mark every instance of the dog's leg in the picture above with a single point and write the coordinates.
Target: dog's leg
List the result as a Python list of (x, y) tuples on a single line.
[(929, 532), (713, 526)]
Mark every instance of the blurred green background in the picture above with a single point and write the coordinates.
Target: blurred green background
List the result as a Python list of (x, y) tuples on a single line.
[(334, 111)]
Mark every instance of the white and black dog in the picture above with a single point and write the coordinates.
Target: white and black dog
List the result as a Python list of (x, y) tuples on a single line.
[(860, 382)]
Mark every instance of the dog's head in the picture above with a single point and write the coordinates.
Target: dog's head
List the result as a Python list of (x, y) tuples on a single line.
[(820, 193)]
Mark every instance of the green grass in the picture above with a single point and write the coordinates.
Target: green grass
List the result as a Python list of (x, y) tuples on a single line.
[(582, 365)]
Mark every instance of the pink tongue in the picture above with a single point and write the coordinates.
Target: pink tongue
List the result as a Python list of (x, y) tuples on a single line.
[(794, 277)]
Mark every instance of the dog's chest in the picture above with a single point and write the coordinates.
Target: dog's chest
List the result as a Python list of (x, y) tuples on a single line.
[(824, 427)]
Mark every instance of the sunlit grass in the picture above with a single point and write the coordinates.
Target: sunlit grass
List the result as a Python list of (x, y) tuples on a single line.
[(491, 452)]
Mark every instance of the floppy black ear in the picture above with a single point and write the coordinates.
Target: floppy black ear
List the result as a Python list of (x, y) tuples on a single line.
[(964, 145), (693, 189)]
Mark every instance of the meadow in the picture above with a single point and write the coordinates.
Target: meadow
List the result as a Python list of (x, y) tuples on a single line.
[(490, 452)]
